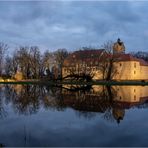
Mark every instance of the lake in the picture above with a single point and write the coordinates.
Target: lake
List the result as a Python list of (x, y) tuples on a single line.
[(40, 115)]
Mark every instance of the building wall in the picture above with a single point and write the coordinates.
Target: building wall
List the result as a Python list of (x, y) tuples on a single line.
[(126, 70), (130, 93), (18, 76), (144, 72)]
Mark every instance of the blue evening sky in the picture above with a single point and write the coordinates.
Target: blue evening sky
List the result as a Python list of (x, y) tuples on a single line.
[(74, 24)]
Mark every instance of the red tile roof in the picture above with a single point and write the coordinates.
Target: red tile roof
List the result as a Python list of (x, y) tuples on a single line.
[(129, 57), (83, 55), (89, 56)]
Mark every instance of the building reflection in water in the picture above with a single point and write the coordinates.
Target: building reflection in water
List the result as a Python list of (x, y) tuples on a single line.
[(110, 102)]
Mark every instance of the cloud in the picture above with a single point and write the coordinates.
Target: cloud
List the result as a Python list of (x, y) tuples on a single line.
[(73, 24)]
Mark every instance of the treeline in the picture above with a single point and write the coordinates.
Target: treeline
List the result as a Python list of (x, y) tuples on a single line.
[(31, 62), (141, 55), (48, 65)]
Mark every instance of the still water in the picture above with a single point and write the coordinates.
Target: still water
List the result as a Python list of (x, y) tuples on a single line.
[(34, 115)]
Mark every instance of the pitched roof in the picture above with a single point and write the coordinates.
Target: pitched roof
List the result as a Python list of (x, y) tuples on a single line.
[(93, 56), (84, 55), (129, 57)]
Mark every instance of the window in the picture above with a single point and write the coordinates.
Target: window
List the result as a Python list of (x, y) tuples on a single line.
[(134, 97), (120, 97), (134, 90), (135, 65), (120, 64), (134, 72)]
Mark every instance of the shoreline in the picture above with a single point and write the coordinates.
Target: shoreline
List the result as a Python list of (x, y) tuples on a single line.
[(56, 83)]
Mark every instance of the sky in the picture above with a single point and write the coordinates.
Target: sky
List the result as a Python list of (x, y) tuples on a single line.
[(74, 24)]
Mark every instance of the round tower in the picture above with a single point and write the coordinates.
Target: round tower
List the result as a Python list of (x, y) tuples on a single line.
[(118, 47), (118, 114)]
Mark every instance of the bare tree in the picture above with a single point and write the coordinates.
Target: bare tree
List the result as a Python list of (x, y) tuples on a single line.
[(107, 66), (23, 58), (35, 59), (60, 55), (3, 48), (8, 66), (28, 61), (81, 71), (47, 64)]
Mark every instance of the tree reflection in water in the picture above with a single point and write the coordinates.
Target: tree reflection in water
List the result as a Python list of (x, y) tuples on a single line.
[(3, 112), (87, 101)]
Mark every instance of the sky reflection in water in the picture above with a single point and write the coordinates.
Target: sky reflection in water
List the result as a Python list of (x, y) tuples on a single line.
[(33, 115)]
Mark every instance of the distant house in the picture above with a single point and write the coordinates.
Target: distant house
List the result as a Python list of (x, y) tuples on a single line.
[(88, 61), (18, 76)]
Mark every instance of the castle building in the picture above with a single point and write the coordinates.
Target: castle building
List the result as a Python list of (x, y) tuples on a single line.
[(94, 62)]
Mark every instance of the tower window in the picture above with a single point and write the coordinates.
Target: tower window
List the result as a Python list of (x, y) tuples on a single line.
[(134, 72)]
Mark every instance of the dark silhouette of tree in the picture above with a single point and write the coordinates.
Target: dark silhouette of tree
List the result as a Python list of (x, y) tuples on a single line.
[(107, 66), (8, 67), (48, 60), (3, 49), (60, 55), (35, 60), (141, 55)]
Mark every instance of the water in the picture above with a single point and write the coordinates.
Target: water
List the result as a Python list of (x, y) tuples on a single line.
[(34, 115)]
